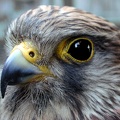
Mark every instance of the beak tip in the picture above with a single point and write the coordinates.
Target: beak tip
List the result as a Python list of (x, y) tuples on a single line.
[(3, 90), (3, 96)]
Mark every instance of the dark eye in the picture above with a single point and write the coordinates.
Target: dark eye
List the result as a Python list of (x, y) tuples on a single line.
[(81, 49)]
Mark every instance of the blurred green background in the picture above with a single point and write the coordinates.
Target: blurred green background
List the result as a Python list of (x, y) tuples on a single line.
[(10, 9)]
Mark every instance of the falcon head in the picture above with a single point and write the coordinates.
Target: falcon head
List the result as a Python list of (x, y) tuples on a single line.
[(63, 64)]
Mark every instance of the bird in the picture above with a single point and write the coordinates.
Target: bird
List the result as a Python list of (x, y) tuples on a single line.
[(62, 63)]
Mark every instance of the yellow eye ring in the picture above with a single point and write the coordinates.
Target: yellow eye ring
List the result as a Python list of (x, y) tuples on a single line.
[(77, 50)]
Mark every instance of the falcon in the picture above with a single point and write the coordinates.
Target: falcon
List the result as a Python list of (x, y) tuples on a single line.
[(63, 64)]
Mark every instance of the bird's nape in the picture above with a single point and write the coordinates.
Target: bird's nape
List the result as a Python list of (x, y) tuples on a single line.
[(63, 64)]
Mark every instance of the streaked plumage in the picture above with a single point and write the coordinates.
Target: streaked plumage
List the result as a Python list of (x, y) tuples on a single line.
[(76, 90)]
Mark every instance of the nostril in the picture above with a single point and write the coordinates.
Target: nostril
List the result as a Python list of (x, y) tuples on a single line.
[(32, 54)]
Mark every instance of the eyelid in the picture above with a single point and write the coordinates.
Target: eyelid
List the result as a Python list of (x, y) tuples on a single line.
[(79, 39), (92, 51), (63, 48)]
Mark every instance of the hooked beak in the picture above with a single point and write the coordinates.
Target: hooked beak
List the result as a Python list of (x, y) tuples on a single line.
[(19, 69)]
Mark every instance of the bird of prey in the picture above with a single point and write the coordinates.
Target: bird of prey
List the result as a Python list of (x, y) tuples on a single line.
[(63, 64)]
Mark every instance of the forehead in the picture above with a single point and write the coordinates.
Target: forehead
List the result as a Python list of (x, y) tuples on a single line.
[(48, 24)]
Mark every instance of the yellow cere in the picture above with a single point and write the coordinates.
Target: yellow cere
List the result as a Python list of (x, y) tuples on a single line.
[(31, 54), (28, 51)]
